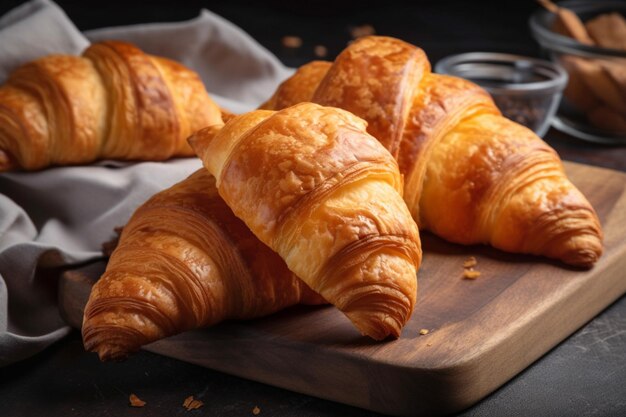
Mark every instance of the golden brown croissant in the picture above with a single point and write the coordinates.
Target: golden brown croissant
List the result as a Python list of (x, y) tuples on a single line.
[(471, 175), (315, 187), (184, 261), (113, 102)]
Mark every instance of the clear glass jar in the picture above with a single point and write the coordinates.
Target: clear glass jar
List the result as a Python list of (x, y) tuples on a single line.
[(526, 90)]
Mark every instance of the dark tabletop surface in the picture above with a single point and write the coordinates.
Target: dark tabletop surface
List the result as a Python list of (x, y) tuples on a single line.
[(584, 375)]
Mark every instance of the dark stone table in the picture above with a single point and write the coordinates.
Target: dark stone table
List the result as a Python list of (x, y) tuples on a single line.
[(583, 376)]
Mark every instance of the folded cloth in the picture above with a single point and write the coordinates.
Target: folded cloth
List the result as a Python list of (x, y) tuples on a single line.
[(35, 29), (60, 216)]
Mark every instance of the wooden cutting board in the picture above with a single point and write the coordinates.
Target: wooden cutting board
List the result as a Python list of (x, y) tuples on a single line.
[(480, 332)]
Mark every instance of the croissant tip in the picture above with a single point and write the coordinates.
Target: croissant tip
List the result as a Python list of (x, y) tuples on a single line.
[(227, 115), (583, 251), (378, 326), (585, 259), (111, 352), (200, 140), (108, 348)]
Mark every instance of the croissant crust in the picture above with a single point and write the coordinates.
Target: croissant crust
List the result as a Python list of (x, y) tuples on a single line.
[(326, 196), (471, 175), (184, 261), (113, 102)]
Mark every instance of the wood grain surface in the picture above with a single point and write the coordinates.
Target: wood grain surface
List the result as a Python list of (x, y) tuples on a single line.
[(481, 332)]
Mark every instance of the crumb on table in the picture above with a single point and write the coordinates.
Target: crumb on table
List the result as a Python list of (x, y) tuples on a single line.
[(292, 41), (362, 30), (191, 404), (135, 401), (320, 51)]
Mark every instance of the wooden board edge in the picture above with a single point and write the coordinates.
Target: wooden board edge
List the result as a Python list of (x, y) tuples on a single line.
[(448, 385)]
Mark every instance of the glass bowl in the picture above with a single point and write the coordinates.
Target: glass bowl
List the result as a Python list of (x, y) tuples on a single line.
[(594, 103), (526, 90)]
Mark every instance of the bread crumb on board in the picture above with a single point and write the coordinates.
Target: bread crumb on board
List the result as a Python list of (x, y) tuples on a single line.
[(468, 271), (135, 401), (470, 262), (292, 41), (256, 410), (191, 404), (424, 331), (470, 274)]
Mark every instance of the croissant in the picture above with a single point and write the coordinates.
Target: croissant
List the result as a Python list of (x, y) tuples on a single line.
[(184, 261), (471, 175), (326, 196), (113, 102)]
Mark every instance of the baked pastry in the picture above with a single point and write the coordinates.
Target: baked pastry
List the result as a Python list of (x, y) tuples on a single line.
[(471, 175), (184, 261), (327, 197), (114, 102)]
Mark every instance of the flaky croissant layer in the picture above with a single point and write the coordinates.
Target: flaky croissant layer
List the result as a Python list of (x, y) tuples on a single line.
[(326, 196), (113, 102), (184, 261), (471, 175)]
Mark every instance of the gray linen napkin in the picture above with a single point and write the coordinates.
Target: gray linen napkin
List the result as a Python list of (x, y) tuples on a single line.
[(61, 216), (34, 29)]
